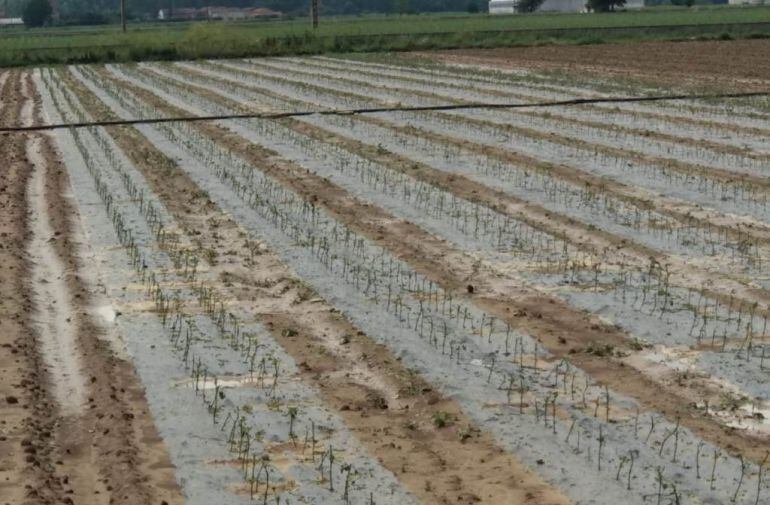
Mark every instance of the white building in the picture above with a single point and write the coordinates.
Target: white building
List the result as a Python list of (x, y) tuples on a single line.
[(563, 6), (502, 6), (509, 6), (11, 22), (633, 4)]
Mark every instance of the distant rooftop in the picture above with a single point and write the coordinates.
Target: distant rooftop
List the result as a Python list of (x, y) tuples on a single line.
[(11, 21), (216, 12)]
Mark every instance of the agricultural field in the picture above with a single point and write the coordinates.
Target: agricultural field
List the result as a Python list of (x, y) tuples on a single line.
[(145, 41), (547, 305)]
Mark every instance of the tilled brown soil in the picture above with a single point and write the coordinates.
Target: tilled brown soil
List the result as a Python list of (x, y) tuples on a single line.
[(28, 460), (729, 64), (109, 451), (116, 434)]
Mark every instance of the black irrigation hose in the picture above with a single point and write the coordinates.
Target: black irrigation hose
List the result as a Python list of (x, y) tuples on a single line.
[(372, 110)]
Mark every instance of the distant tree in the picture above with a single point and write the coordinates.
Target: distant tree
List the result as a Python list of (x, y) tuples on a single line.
[(604, 5), (525, 6), (402, 6), (71, 10), (473, 7), (89, 18), (36, 13)]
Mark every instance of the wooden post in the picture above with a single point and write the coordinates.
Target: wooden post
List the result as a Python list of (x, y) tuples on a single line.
[(314, 12), (123, 14)]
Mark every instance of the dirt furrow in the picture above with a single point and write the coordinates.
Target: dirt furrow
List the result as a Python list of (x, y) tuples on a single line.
[(436, 465), (562, 329), (68, 432), (119, 452), (28, 459), (4, 78), (53, 307), (721, 64), (9, 97)]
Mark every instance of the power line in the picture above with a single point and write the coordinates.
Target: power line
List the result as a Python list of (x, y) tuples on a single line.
[(374, 110)]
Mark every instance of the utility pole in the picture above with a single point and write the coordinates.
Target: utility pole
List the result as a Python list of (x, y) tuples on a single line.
[(123, 14), (314, 12)]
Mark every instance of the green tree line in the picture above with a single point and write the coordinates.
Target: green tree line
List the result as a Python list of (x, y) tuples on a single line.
[(100, 11)]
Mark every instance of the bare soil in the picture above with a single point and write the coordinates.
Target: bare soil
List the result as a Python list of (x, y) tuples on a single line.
[(730, 64), (116, 432), (104, 449), (28, 472)]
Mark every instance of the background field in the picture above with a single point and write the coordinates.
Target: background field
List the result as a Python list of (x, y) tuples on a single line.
[(156, 41)]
